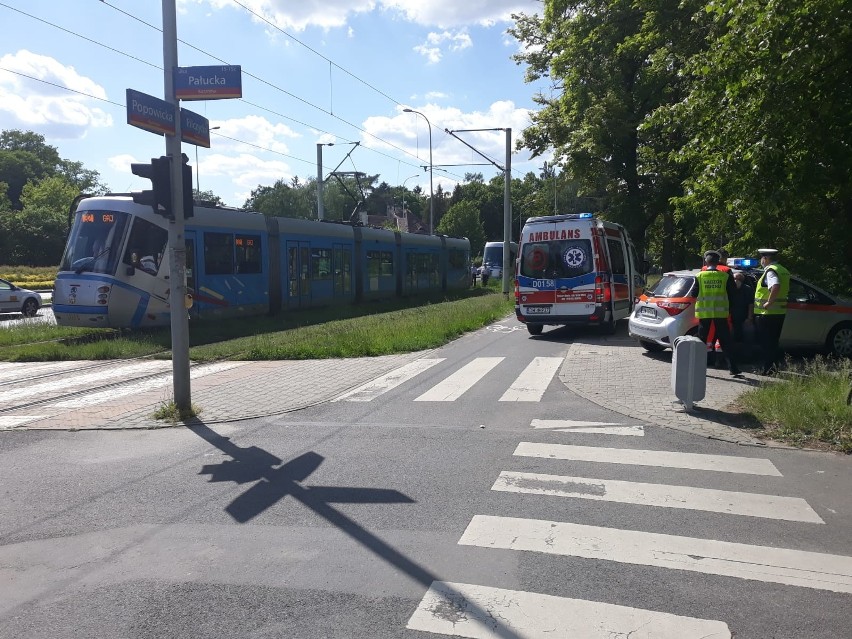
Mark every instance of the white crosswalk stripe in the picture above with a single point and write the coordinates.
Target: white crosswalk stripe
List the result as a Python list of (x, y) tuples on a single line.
[(10, 372), (759, 563), (686, 497), (461, 381), (531, 384), (141, 386), (596, 428), (8, 422), (371, 390), (659, 458), (480, 612), (86, 380)]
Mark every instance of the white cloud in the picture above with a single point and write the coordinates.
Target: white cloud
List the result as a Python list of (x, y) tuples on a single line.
[(48, 105), (253, 129), (328, 14), (454, 41)]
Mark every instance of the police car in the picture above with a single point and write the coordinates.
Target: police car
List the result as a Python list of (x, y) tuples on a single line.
[(14, 299), (816, 320)]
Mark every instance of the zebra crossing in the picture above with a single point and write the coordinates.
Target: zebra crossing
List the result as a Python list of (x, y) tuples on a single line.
[(484, 612), (529, 386)]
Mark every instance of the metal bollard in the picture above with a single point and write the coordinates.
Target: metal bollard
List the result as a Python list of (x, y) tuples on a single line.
[(689, 370)]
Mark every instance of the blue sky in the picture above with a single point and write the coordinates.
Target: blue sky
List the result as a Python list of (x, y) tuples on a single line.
[(356, 65)]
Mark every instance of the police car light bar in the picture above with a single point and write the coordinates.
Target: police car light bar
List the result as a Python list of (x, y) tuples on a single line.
[(743, 262)]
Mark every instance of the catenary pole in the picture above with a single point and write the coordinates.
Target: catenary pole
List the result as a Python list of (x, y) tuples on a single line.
[(177, 248)]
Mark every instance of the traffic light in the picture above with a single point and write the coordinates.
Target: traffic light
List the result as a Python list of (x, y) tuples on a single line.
[(159, 171), (159, 198)]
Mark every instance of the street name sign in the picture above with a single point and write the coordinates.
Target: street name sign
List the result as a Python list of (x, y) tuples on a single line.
[(150, 113), (208, 83)]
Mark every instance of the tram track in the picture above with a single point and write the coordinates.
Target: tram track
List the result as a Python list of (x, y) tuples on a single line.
[(82, 392)]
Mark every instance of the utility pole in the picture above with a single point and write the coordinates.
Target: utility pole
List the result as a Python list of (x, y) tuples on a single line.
[(177, 246), (507, 214)]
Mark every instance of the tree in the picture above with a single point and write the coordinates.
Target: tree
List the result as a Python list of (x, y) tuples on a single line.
[(770, 134), (462, 220), (613, 64)]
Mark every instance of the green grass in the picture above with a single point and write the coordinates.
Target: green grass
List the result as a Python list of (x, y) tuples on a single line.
[(376, 328), (807, 406)]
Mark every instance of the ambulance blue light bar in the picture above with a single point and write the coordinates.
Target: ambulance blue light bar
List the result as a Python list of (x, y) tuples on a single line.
[(743, 262), (584, 216)]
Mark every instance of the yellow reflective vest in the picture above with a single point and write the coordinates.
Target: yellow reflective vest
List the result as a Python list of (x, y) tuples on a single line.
[(712, 294), (761, 292)]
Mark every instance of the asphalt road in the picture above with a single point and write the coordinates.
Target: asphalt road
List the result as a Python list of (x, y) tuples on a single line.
[(336, 521)]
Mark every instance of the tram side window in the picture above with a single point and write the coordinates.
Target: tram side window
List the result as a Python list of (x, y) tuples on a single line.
[(248, 254), (457, 259), (146, 246), (321, 264), (219, 253), (379, 263)]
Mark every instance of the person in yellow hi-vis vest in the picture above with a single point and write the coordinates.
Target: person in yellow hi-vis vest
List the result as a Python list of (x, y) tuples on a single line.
[(715, 290), (770, 307)]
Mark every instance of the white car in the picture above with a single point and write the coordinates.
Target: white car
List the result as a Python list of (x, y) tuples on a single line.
[(816, 320), (14, 299)]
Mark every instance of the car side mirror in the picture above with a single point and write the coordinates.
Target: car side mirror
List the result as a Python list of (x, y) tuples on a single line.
[(129, 270)]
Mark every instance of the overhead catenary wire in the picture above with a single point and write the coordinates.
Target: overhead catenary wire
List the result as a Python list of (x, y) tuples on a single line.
[(249, 74)]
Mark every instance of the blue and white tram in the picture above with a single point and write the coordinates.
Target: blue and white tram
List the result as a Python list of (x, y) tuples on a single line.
[(115, 270)]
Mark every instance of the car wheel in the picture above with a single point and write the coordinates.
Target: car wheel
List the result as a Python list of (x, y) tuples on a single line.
[(840, 340), (651, 347), (30, 308), (535, 329)]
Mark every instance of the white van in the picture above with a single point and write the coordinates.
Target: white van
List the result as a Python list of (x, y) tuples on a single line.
[(492, 259), (575, 270)]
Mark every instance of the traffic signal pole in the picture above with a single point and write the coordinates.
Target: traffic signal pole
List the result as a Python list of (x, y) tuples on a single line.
[(177, 246)]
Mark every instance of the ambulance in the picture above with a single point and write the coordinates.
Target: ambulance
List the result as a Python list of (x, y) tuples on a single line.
[(575, 270)]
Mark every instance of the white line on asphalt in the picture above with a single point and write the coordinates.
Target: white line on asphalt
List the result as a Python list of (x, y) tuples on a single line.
[(599, 428), (661, 458), (481, 612), (141, 386), (371, 390), (12, 421), (687, 497), (709, 556), (88, 380), (460, 382), (533, 381)]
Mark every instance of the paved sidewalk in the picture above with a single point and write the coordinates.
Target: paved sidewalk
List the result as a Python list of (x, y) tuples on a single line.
[(613, 372), (618, 374)]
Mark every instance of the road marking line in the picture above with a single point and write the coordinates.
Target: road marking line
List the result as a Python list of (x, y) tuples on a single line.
[(600, 428), (482, 612), (369, 391), (7, 422), (22, 372), (109, 394), (461, 381), (709, 556), (533, 381), (661, 458), (666, 496)]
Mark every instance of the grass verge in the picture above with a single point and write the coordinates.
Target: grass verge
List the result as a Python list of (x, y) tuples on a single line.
[(376, 328), (807, 407)]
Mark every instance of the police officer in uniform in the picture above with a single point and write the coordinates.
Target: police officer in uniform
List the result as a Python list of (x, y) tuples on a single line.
[(715, 290), (770, 307)]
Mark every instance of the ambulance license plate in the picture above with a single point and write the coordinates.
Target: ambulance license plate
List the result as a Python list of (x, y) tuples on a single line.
[(648, 311), (538, 310)]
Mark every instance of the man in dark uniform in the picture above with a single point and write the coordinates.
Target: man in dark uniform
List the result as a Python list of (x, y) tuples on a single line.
[(715, 290), (770, 307)]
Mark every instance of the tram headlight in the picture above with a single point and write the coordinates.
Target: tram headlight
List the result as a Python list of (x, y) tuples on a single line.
[(103, 289), (102, 298)]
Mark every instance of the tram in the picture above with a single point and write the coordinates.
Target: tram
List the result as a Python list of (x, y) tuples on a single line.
[(115, 271)]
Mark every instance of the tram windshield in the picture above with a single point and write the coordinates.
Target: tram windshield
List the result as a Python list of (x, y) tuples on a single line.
[(94, 242)]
